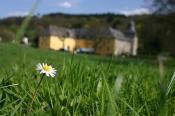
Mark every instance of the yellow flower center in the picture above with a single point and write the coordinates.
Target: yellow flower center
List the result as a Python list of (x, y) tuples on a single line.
[(46, 67)]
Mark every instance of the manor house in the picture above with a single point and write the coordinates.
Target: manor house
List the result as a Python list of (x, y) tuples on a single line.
[(103, 41)]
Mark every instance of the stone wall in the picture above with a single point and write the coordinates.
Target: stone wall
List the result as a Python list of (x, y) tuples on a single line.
[(104, 47), (56, 43), (122, 47), (44, 42), (84, 43), (101, 46)]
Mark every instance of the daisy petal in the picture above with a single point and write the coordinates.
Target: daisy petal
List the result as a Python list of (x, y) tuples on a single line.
[(46, 69)]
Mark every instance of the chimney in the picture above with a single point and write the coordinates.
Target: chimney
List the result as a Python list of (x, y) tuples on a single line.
[(135, 39)]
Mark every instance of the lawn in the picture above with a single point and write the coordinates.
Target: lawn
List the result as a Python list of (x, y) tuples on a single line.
[(85, 85)]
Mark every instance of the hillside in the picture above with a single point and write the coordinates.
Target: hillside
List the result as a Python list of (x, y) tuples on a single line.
[(155, 32)]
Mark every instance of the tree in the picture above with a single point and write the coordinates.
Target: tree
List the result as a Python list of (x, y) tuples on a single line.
[(6, 35), (164, 6)]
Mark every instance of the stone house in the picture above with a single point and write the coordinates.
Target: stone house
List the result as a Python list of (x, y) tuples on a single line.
[(106, 41)]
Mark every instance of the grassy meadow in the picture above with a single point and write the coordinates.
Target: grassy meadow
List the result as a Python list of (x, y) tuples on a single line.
[(85, 85)]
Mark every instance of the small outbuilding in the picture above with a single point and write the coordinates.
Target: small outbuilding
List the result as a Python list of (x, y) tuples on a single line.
[(25, 40)]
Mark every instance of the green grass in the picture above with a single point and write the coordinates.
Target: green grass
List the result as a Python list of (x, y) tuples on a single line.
[(85, 85)]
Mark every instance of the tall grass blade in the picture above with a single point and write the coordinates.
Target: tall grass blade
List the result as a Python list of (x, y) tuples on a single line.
[(130, 107), (8, 86), (18, 106), (112, 104), (26, 21), (170, 84)]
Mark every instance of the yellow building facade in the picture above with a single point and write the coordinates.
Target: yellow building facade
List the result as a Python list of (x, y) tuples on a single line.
[(69, 44), (113, 43)]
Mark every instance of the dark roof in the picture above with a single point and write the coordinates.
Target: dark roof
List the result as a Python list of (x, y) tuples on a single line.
[(107, 33), (120, 35), (57, 31)]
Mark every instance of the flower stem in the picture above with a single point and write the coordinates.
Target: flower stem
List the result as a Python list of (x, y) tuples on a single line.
[(34, 93)]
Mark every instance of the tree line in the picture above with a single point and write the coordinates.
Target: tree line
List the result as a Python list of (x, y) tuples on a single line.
[(156, 32)]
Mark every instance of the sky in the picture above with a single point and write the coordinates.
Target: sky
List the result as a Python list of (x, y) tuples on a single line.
[(22, 7)]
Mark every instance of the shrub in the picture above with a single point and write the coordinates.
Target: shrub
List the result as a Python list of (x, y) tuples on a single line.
[(7, 35)]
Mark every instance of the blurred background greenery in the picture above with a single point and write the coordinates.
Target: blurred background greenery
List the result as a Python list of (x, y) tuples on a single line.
[(156, 31)]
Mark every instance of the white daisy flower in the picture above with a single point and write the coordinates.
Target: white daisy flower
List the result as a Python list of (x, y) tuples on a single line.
[(48, 70)]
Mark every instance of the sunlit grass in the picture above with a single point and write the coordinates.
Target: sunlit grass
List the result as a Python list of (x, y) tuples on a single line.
[(75, 90)]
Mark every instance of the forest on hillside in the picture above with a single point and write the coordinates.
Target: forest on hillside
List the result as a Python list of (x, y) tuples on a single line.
[(156, 32)]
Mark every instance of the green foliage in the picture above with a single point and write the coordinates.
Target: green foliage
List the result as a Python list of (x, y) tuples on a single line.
[(36, 25), (156, 34), (21, 31), (84, 85), (164, 6), (7, 35)]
